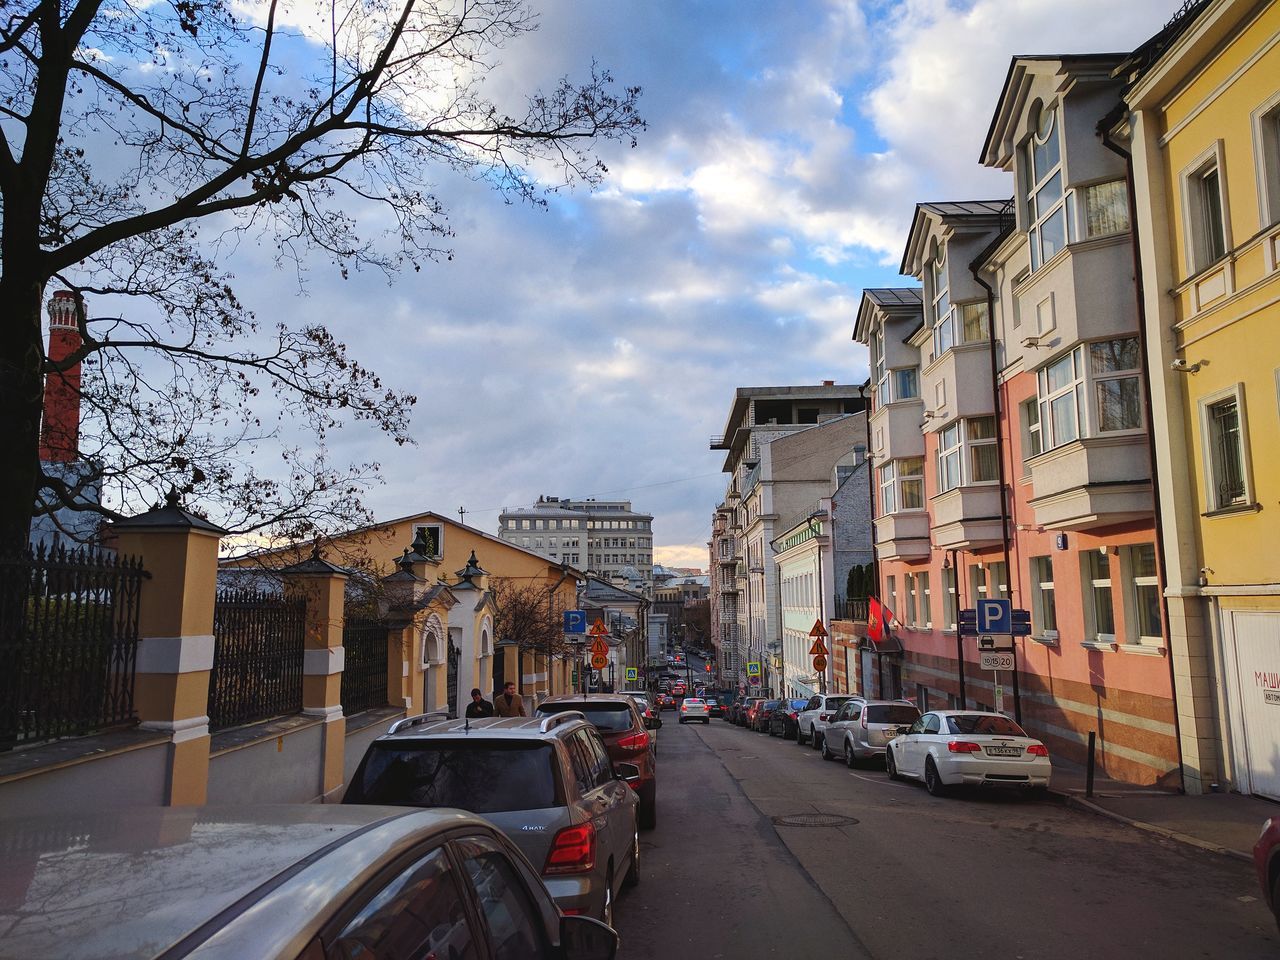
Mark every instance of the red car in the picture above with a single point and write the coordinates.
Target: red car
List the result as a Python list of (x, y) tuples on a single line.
[(1266, 858), (665, 701)]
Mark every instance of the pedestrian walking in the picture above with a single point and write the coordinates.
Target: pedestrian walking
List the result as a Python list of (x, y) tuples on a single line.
[(508, 703), (479, 706)]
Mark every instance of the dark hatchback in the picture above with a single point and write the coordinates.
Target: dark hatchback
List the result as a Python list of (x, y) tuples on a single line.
[(626, 738), (783, 720), (758, 715)]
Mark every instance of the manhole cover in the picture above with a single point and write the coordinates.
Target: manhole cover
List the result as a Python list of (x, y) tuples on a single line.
[(814, 820)]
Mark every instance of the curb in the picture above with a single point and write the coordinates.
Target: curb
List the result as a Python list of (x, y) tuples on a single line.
[(1083, 804)]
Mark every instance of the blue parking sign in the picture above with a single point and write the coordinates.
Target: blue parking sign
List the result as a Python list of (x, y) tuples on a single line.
[(994, 616), (575, 621)]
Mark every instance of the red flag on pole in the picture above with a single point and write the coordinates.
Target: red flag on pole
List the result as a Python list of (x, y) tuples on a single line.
[(878, 618)]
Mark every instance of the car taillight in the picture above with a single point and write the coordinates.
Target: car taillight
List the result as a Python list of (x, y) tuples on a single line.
[(1038, 750), (822, 716), (793, 715), (863, 720), (963, 746), (572, 851), (634, 742)]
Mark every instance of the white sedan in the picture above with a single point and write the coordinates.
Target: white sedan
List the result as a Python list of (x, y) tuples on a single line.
[(694, 708), (947, 748)]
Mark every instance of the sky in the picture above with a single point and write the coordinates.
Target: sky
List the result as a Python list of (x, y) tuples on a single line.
[(592, 348)]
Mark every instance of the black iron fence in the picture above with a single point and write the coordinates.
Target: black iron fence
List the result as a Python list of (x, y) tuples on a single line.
[(68, 642), (257, 657), (364, 675), (855, 609)]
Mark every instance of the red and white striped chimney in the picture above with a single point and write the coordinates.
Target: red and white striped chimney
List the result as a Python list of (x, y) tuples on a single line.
[(60, 429)]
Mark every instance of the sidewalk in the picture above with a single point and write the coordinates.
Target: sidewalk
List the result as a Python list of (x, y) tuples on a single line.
[(1226, 823)]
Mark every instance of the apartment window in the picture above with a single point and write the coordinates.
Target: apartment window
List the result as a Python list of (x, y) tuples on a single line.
[(1206, 229), (909, 581), (433, 534), (1106, 208), (1032, 443), (1266, 139), (950, 599), (973, 322), (926, 610), (1225, 459), (980, 432), (1099, 616), (999, 572), (891, 587), (1114, 366), (1061, 396), (1048, 204), (524, 542), (537, 543), (911, 482), (881, 374), (906, 384), (1144, 591), (888, 501), (977, 583), (949, 458), (1044, 610), (941, 292)]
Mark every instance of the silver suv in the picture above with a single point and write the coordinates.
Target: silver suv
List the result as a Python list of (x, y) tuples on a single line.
[(863, 728), (547, 783)]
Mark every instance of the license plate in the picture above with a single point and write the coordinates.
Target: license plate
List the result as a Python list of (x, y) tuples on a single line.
[(1004, 751)]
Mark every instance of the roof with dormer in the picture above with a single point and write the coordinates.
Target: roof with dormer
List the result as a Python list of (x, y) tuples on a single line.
[(895, 301), (951, 213)]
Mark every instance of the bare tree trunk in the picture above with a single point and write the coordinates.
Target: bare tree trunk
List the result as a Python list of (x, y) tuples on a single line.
[(21, 400)]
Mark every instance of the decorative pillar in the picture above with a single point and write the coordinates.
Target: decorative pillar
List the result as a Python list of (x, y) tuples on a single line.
[(323, 587), (175, 627)]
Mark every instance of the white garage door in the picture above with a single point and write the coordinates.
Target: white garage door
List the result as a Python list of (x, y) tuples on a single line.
[(1254, 638)]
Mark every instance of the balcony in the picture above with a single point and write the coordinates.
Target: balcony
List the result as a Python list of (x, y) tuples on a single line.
[(902, 536), (895, 430), (965, 371), (967, 518), (1092, 482)]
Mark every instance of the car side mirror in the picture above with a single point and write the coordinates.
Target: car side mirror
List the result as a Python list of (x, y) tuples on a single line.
[(627, 772), (651, 723), (582, 938)]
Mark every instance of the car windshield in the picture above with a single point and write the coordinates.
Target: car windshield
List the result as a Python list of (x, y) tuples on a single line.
[(483, 776), (607, 715), (891, 713), (973, 723)]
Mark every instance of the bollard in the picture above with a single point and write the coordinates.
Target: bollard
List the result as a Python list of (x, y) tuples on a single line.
[(1088, 775)]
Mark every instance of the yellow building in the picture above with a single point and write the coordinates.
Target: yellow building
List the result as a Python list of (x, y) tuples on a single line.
[(1203, 130), (449, 572)]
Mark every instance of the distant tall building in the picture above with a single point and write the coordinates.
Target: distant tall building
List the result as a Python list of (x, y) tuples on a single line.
[(606, 538)]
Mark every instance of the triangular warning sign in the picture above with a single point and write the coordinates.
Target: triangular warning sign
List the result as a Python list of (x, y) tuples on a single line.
[(598, 629), (599, 647), (818, 649), (818, 629)]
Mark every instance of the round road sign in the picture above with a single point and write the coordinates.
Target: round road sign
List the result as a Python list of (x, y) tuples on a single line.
[(599, 661), (819, 663)]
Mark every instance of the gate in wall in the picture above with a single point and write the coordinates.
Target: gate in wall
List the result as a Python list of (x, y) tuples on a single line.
[(1252, 643)]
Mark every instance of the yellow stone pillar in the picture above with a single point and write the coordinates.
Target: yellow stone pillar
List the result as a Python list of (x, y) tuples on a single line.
[(323, 586), (175, 626)]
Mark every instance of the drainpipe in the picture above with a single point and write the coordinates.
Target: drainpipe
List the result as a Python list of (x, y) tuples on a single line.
[(955, 570), (1105, 136), (1000, 471)]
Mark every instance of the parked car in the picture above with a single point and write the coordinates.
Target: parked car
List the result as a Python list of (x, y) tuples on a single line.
[(278, 883), (782, 722), (731, 711), (626, 737), (744, 714), (692, 708), (862, 728), (548, 783), (817, 713), (758, 716), (1266, 859), (666, 701), (946, 748), (715, 707)]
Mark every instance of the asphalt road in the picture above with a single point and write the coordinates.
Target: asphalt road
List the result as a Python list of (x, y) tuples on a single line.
[(978, 875)]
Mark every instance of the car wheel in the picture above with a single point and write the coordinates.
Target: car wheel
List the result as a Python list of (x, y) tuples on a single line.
[(932, 780), (891, 765), (682, 719), (800, 736), (632, 878), (850, 760), (1275, 899), (815, 740), (826, 751), (606, 915), (649, 808)]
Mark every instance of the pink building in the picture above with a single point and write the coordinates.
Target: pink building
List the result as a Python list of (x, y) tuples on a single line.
[(1010, 439)]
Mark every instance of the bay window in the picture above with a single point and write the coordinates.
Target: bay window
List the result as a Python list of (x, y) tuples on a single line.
[(1049, 206), (949, 458), (1112, 374), (974, 322), (902, 484), (943, 329), (1061, 395), (1106, 209), (888, 499), (1115, 366), (980, 434), (906, 384), (967, 453)]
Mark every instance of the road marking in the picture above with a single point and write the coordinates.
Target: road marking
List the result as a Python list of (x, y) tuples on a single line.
[(883, 783)]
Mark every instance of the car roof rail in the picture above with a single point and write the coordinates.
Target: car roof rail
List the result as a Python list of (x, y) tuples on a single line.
[(419, 720), (556, 718)]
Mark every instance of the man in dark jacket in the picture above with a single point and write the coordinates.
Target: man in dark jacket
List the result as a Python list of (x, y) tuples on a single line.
[(479, 706), (509, 703)]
